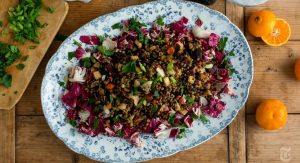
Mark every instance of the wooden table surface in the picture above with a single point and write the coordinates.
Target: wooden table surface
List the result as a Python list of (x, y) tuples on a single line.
[(26, 138)]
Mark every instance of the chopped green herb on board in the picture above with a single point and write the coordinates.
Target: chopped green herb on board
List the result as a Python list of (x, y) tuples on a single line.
[(8, 55), (23, 20), (51, 9)]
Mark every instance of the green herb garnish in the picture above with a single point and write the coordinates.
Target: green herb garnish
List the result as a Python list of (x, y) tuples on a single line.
[(170, 67), (1, 23), (142, 67), (96, 123), (227, 63), (86, 62), (181, 133), (143, 101), (76, 43), (111, 99), (156, 94), (222, 43), (61, 83), (102, 38), (120, 133), (71, 55), (190, 100), (72, 122), (117, 118), (153, 110), (203, 118), (23, 20), (173, 80), (105, 51), (6, 80), (117, 26), (8, 55), (32, 47), (171, 119), (160, 21), (159, 78), (20, 66), (130, 67), (51, 9)]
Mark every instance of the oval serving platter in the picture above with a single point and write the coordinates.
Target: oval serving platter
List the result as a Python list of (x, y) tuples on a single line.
[(113, 149)]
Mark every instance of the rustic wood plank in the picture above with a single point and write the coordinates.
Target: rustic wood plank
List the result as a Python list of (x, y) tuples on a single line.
[(7, 136), (282, 145), (274, 75), (35, 142), (214, 150), (237, 136), (288, 10)]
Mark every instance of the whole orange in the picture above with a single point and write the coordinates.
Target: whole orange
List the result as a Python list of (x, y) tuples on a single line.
[(297, 69), (261, 23), (271, 114)]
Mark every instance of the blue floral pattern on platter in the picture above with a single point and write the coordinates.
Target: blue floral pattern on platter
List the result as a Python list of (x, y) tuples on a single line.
[(113, 149)]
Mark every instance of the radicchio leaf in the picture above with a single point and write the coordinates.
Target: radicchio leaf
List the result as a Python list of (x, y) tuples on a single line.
[(70, 98), (188, 120), (135, 140), (91, 40), (213, 40)]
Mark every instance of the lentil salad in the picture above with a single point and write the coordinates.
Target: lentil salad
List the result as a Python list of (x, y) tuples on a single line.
[(154, 80)]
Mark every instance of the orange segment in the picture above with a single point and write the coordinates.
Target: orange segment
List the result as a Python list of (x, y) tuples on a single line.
[(271, 114), (297, 69), (279, 35)]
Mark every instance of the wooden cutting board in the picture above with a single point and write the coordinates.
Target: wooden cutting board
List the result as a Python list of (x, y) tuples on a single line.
[(10, 96)]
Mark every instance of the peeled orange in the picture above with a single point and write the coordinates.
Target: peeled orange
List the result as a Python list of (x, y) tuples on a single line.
[(271, 114), (279, 35), (261, 23)]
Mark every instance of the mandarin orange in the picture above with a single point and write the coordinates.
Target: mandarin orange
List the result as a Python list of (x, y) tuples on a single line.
[(261, 23), (271, 114)]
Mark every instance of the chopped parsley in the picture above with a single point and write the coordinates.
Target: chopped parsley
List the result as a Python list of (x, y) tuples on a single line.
[(96, 123), (72, 122), (171, 119), (203, 118), (142, 67), (23, 20), (104, 51), (51, 9), (75, 42), (32, 47), (8, 55), (86, 62), (190, 100), (71, 55), (222, 43), (160, 21), (156, 94), (20, 66), (117, 26), (61, 83), (130, 67)]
